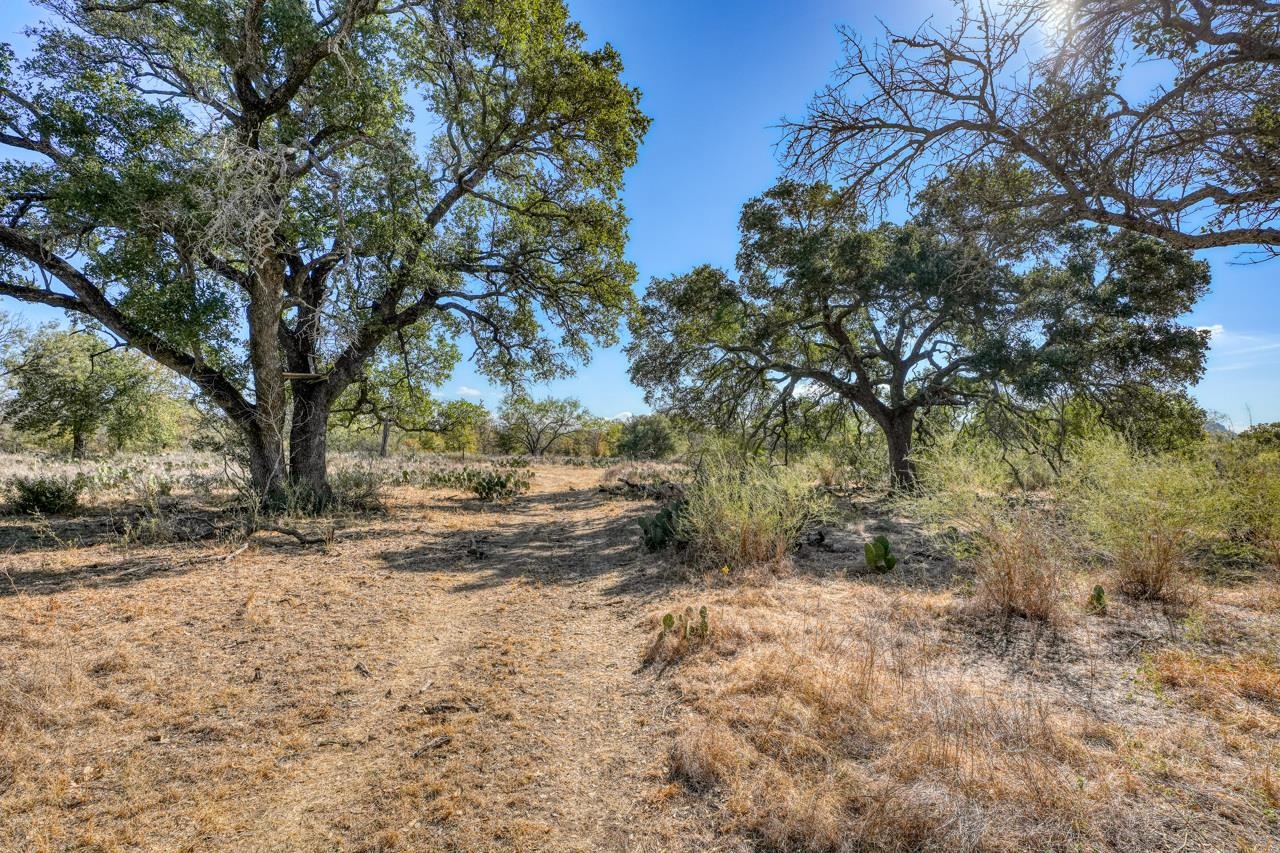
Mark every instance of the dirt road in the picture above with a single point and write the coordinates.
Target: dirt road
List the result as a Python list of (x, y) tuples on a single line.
[(457, 676)]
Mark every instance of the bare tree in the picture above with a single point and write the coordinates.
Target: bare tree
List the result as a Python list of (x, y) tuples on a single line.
[(1026, 103)]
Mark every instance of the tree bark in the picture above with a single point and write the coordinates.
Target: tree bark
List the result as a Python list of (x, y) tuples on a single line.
[(308, 444), (386, 437), (897, 431), (77, 444)]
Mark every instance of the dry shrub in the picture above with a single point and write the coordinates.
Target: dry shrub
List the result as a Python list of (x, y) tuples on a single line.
[(745, 516), (1021, 566), (1151, 564), (705, 754)]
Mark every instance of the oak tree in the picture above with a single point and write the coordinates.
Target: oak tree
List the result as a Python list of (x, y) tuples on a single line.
[(1155, 116), (900, 320), (262, 194)]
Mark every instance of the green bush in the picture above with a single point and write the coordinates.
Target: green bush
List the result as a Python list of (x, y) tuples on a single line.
[(1148, 513), (961, 481), (745, 515), (44, 495)]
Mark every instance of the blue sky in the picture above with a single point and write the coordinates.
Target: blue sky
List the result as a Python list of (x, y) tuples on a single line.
[(717, 78)]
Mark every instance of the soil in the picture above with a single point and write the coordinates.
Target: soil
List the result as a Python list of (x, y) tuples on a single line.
[(456, 676)]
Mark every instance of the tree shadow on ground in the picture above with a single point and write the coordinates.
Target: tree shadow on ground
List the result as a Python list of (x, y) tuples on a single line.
[(549, 537), (127, 570)]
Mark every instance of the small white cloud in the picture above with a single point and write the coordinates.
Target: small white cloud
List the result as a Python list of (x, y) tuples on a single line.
[(468, 391), (1215, 331), (622, 416)]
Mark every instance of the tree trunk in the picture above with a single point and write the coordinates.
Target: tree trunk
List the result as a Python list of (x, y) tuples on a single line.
[(308, 445), (386, 437), (897, 431), (77, 444), (267, 470)]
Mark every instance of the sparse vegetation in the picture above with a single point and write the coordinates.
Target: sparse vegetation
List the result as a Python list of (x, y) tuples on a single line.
[(928, 542)]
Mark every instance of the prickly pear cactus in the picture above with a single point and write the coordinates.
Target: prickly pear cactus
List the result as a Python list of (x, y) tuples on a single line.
[(879, 555)]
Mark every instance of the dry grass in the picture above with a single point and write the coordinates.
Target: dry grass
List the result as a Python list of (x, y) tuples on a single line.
[(1021, 567), (862, 717), (159, 697), (1241, 688), (454, 676)]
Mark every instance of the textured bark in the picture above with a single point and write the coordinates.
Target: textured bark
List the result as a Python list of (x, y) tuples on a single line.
[(308, 440), (902, 470)]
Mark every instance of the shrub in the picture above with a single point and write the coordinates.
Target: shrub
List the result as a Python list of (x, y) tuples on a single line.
[(49, 495), (748, 515), (1020, 566), (1148, 513), (662, 529), (960, 480), (356, 490), (500, 479)]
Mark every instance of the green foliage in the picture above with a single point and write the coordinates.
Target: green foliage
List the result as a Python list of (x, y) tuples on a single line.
[(686, 625), (500, 483), (69, 386), (535, 426), (49, 495), (663, 529), (927, 319), (321, 193), (879, 555), (1098, 601), (1263, 436), (647, 437), (1149, 513)]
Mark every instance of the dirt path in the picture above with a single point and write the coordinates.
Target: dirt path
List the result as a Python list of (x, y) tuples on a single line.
[(459, 677)]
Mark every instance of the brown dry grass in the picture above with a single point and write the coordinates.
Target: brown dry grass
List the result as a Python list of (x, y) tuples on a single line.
[(859, 716), (159, 697), (1021, 568), (462, 676)]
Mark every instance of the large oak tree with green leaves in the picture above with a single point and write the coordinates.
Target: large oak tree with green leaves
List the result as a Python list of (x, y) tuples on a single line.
[(263, 195), (898, 320)]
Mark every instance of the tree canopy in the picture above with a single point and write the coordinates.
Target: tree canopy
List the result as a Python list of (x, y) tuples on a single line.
[(898, 320), (534, 426), (647, 437), (1034, 101), (266, 195), (71, 385)]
